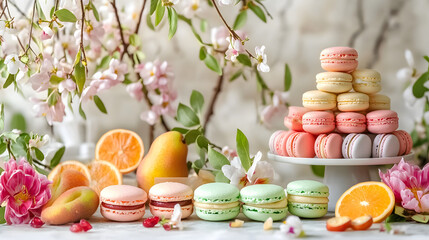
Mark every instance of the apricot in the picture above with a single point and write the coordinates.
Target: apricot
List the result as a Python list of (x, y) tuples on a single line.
[(71, 206)]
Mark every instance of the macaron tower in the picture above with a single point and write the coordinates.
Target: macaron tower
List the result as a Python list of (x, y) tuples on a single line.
[(346, 117)]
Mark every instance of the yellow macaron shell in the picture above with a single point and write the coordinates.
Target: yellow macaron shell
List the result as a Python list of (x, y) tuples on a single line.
[(274, 205), (379, 102), (366, 81), (334, 82), (303, 199), (352, 102), (318, 100), (216, 205)]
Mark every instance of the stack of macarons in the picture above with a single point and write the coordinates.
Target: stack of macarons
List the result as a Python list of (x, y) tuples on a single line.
[(342, 114)]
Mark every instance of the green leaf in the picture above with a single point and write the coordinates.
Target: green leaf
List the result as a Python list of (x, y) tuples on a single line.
[(180, 130), (197, 165), (94, 11), (135, 40), (80, 75), (318, 170), (240, 20), (81, 112), (40, 170), (2, 148), (288, 78), (39, 155), (191, 136), (213, 64), (10, 135), (64, 15), (104, 62), (172, 20), (203, 142), (19, 147), (18, 122), (203, 53), (51, 13), (197, 101), (77, 58), (55, 79), (40, 11), (149, 22), (426, 58), (2, 210), (153, 5), (53, 98), (418, 88), (1, 117), (10, 79), (189, 22), (243, 150), (260, 81), (220, 177), (100, 104), (244, 59), (395, 218), (257, 11), (203, 25), (159, 13), (236, 75), (186, 116), (57, 157), (217, 159)]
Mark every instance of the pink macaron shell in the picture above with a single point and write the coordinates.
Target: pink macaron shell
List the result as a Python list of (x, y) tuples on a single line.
[(339, 53), (351, 122), (168, 212), (293, 121), (339, 59), (385, 145), (170, 192), (122, 215), (280, 143), (300, 144), (405, 142), (357, 145), (328, 146), (318, 122), (382, 121), (339, 65), (273, 139)]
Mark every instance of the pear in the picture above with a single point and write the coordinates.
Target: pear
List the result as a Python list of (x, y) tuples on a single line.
[(166, 158)]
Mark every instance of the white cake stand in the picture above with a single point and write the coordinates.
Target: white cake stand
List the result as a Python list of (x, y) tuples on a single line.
[(341, 174)]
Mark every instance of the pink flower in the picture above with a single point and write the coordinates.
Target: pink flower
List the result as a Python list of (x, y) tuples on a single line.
[(278, 106), (229, 152), (118, 68), (150, 117), (40, 81), (410, 184), (218, 38), (135, 90), (23, 190), (53, 113), (67, 85), (262, 59), (47, 33), (155, 74)]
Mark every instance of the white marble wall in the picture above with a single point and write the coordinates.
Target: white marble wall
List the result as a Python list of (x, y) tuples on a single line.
[(296, 35)]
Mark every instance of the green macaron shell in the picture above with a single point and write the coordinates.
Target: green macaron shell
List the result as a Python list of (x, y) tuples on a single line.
[(216, 193), (308, 188), (217, 214), (262, 194), (308, 210), (262, 214)]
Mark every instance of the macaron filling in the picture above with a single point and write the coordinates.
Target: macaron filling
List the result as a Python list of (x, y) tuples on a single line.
[(170, 204), (122, 207)]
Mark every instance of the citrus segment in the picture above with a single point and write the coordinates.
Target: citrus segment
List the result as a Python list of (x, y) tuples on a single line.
[(368, 198), (70, 164), (103, 174), (122, 148)]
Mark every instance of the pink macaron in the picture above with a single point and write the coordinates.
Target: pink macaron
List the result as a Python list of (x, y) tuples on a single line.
[(123, 203), (280, 143), (385, 145), (164, 196), (328, 146), (357, 145), (405, 142), (271, 142), (318, 122), (300, 144), (293, 121), (339, 59), (351, 122), (382, 121)]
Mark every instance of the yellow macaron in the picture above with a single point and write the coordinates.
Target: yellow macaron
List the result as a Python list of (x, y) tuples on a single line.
[(366, 81), (352, 102), (334, 82), (318, 100), (379, 102)]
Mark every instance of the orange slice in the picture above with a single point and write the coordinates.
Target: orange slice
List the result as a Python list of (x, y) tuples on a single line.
[(122, 148), (70, 164), (103, 174), (367, 198)]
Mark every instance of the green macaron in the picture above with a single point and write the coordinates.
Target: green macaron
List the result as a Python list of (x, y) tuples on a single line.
[(307, 198), (263, 201), (217, 201)]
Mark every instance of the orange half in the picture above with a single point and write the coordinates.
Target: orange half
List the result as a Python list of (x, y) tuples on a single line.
[(70, 164), (103, 174), (123, 148), (367, 198)]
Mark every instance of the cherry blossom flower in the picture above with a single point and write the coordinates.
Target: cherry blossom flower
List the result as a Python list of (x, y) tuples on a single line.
[(47, 33), (66, 85), (118, 68), (53, 113), (292, 227), (410, 184), (262, 59), (235, 48), (219, 37), (260, 172), (14, 64), (149, 116), (38, 141), (155, 74), (191, 8), (23, 191), (406, 74), (226, 2), (278, 106), (135, 90), (41, 81), (176, 217), (229, 152)]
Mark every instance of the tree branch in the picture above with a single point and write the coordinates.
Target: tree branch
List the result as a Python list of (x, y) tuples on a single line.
[(217, 90), (31, 28), (359, 13), (140, 18), (81, 32)]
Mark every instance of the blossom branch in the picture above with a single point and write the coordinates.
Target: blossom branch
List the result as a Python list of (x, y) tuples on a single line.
[(82, 48), (217, 90), (121, 33), (140, 17), (31, 28)]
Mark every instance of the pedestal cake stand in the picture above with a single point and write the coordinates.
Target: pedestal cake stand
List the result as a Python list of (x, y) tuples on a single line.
[(341, 174)]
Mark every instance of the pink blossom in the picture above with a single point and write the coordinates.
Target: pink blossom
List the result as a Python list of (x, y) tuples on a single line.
[(277, 106), (47, 33), (40, 81), (150, 117), (23, 190), (155, 74), (191, 8), (162, 103), (53, 113), (262, 59), (229, 152), (135, 90), (219, 37), (118, 68), (410, 184), (66, 85), (235, 48)]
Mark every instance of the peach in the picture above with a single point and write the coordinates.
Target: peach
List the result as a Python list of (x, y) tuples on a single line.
[(68, 179), (74, 204)]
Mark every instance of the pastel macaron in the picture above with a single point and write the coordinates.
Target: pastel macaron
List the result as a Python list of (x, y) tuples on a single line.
[(122, 203), (352, 102), (385, 145), (328, 146), (280, 142), (318, 122), (357, 145), (164, 196), (271, 142), (262, 201), (217, 201), (405, 142), (300, 144), (318, 100), (378, 102), (293, 121), (382, 121), (307, 198), (334, 82), (351, 122), (339, 59), (366, 81)]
